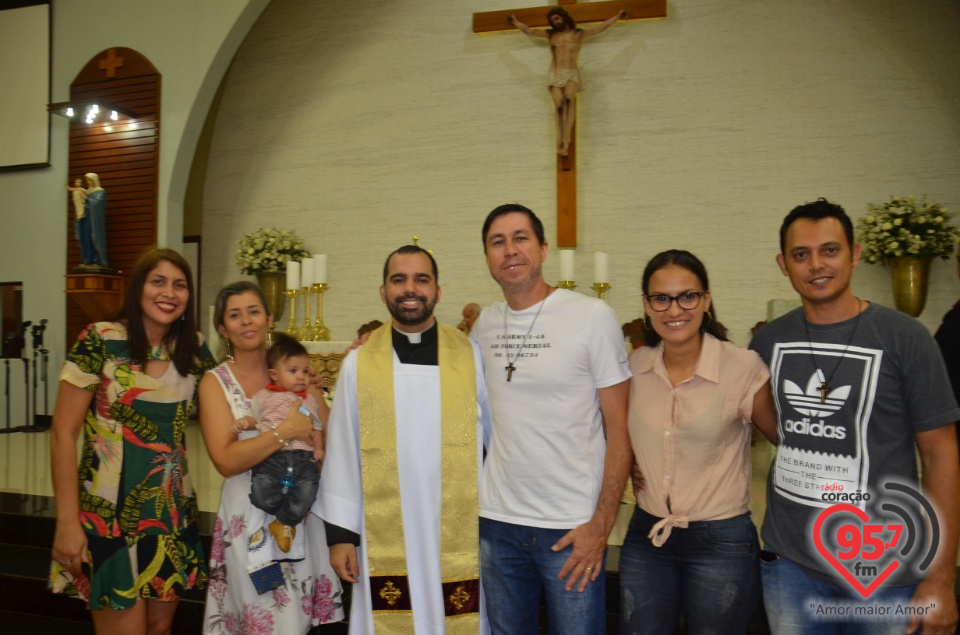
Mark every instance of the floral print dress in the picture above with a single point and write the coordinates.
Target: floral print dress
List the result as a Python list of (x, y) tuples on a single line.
[(137, 504), (306, 591)]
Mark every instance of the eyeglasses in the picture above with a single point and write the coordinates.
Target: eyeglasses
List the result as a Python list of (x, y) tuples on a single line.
[(687, 300)]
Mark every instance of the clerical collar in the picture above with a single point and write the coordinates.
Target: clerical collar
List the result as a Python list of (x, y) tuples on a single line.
[(423, 352)]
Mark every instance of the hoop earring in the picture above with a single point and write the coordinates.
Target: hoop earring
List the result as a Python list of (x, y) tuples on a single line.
[(647, 324)]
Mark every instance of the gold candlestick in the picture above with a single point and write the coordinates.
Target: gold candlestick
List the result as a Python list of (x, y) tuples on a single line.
[(567, 284), (320, 332), (292, 329), (601, 288), (306, 333)]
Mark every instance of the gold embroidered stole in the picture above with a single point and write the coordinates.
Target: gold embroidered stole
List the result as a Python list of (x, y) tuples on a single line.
[(459, 519)]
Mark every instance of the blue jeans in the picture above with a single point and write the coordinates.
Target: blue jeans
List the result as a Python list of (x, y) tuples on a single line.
[(709, 571), (266, 490), (788, 593), (516, 564)]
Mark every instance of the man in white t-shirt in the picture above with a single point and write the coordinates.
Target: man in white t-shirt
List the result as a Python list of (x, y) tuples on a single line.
[(559, 455)]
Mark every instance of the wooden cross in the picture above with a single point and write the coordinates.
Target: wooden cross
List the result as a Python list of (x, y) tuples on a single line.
[(111, 63), (490, 21)]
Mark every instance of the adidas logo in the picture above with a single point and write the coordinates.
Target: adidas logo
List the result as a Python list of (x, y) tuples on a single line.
[(815, 429), (807, 401)]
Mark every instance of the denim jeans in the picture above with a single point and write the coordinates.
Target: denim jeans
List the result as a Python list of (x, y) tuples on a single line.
[(709, 571), (266, 492), (788, 593), (516, 564)]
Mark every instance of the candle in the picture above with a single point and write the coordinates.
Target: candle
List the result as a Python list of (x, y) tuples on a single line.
[(293, 275), (600, 267), (306, 272), (320, 268), (566, 265)]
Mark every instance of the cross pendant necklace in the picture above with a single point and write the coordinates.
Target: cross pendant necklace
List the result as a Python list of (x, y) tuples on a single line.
[(824, 388), (506, 340)]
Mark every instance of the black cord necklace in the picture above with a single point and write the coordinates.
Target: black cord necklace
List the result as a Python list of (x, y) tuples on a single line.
[(825, 381), (510, 367)]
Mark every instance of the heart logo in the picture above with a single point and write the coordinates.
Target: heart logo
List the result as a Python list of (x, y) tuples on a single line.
[(829, 557)]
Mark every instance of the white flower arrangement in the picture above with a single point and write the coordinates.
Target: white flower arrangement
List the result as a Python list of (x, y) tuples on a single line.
[(269, 250), (904, 226)]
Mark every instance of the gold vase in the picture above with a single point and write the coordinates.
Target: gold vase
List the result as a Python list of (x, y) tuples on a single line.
[(910, 275), (274, 284)]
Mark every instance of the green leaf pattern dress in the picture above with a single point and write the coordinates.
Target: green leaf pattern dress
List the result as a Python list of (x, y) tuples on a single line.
[(137, 503)]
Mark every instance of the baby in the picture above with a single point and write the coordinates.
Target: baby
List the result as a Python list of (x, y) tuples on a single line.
[(285, 484), (79, 196)]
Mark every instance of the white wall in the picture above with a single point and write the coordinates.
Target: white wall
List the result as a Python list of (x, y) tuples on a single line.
[(191, 44), (363, 127)]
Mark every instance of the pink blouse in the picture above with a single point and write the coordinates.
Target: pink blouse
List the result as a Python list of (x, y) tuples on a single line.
[(692, 441)]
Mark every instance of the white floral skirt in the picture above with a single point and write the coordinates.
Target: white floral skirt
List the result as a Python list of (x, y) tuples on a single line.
[(308, 591)]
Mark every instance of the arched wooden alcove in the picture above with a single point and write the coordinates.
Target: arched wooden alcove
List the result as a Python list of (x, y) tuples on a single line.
[(125, 155)]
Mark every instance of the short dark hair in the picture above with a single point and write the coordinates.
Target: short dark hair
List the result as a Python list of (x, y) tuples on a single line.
[(407, 250), (232, 289), (510, 208), (567, 18), (284, 347), (818, 210), (181, 340), (691, 263)]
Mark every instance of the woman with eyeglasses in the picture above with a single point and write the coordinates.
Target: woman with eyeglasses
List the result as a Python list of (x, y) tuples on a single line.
[(691, 547)]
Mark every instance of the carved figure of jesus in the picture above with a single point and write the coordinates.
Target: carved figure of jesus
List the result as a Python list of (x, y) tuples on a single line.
[(79, 195), (564, 83)]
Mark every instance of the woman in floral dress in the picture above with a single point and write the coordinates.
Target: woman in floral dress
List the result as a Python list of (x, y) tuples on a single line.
[(127, 539), (255, 589)]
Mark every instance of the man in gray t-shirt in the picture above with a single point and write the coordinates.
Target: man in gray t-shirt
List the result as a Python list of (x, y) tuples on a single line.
[(856, 385)]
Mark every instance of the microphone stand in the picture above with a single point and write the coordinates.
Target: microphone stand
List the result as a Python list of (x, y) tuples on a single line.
[(40, 422), (34, 368), (26, 374), (26, 393), (45, 357), (6, 394)]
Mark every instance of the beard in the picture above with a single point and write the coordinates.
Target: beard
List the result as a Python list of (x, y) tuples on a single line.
[(411, 317)]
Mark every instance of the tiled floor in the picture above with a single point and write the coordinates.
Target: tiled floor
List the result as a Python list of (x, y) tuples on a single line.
[(23, 624), (27, 607)]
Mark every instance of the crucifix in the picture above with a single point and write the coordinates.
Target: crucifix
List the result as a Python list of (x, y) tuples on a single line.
[(509, 368), (824, 389), (505, 20)]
